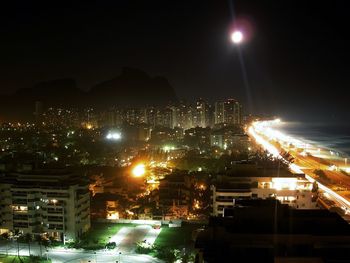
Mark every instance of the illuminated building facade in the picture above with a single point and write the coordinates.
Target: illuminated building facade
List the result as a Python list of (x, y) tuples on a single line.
[(228, 111), (294, 191), (51, 203), (164, 118), (201, 114), (182, 116), (227, 138)]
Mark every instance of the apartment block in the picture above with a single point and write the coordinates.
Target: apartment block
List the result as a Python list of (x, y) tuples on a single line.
[(54, 203), (294, 191)]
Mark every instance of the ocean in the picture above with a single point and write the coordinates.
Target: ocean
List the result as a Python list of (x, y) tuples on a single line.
[(334, 136)]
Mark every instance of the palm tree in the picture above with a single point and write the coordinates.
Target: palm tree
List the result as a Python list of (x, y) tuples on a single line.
[(39, 239), (6, 236), (18, 237), (28, 238), (46, 242)]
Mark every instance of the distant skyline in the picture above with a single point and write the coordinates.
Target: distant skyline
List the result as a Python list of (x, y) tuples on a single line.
[(297, 60)]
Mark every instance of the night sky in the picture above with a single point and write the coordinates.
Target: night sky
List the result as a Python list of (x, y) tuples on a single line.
[(296, 60)]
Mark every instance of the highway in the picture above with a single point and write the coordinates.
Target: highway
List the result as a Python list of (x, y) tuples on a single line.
[(328, 168)]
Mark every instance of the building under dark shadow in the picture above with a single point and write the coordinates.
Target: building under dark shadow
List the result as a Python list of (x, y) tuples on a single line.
[(267, 231)]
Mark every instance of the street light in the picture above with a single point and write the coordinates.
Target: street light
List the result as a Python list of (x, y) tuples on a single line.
[(139, 170)]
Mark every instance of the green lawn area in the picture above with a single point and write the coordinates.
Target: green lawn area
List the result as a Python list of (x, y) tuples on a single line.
[(10, 259), (176, 236), (100, 233)]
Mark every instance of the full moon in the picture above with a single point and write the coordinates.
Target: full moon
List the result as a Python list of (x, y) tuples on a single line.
[(237, 37)]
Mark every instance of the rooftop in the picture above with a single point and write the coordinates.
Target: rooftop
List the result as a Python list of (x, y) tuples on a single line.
[(43, 178)]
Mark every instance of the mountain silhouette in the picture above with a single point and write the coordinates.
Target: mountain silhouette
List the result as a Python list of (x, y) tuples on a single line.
[(132, 88)]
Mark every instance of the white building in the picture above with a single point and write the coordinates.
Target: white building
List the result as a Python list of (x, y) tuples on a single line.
[(52, 203), (294, 191)]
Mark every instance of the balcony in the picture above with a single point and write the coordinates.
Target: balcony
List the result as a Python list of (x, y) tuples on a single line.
[(54, 212), (22, 209)]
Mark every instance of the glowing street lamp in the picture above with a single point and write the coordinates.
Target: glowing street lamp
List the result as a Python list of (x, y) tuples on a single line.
[(139, 170), (114, 136), (237, 37)]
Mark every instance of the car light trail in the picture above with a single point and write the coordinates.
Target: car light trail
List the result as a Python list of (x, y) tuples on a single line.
[(262, 128), (333, 194), (266, 145)]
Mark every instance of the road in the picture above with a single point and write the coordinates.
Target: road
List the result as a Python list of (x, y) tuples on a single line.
[(307, 159), (99, 256), (59, 255), (335, 180), (127, 237)]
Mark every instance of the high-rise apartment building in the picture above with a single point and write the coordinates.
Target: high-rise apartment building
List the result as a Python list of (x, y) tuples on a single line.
[(183, 116), (219, 112), (200, 115), (54, 203), (228, 111), (164, 117)]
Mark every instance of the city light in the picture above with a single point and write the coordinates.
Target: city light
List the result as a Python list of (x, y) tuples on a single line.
[(139, 170), (266, 134), (332, 168), (202, 187), (284, 183), (168, 148), (114, 136), (113, 215), (237, 37)]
